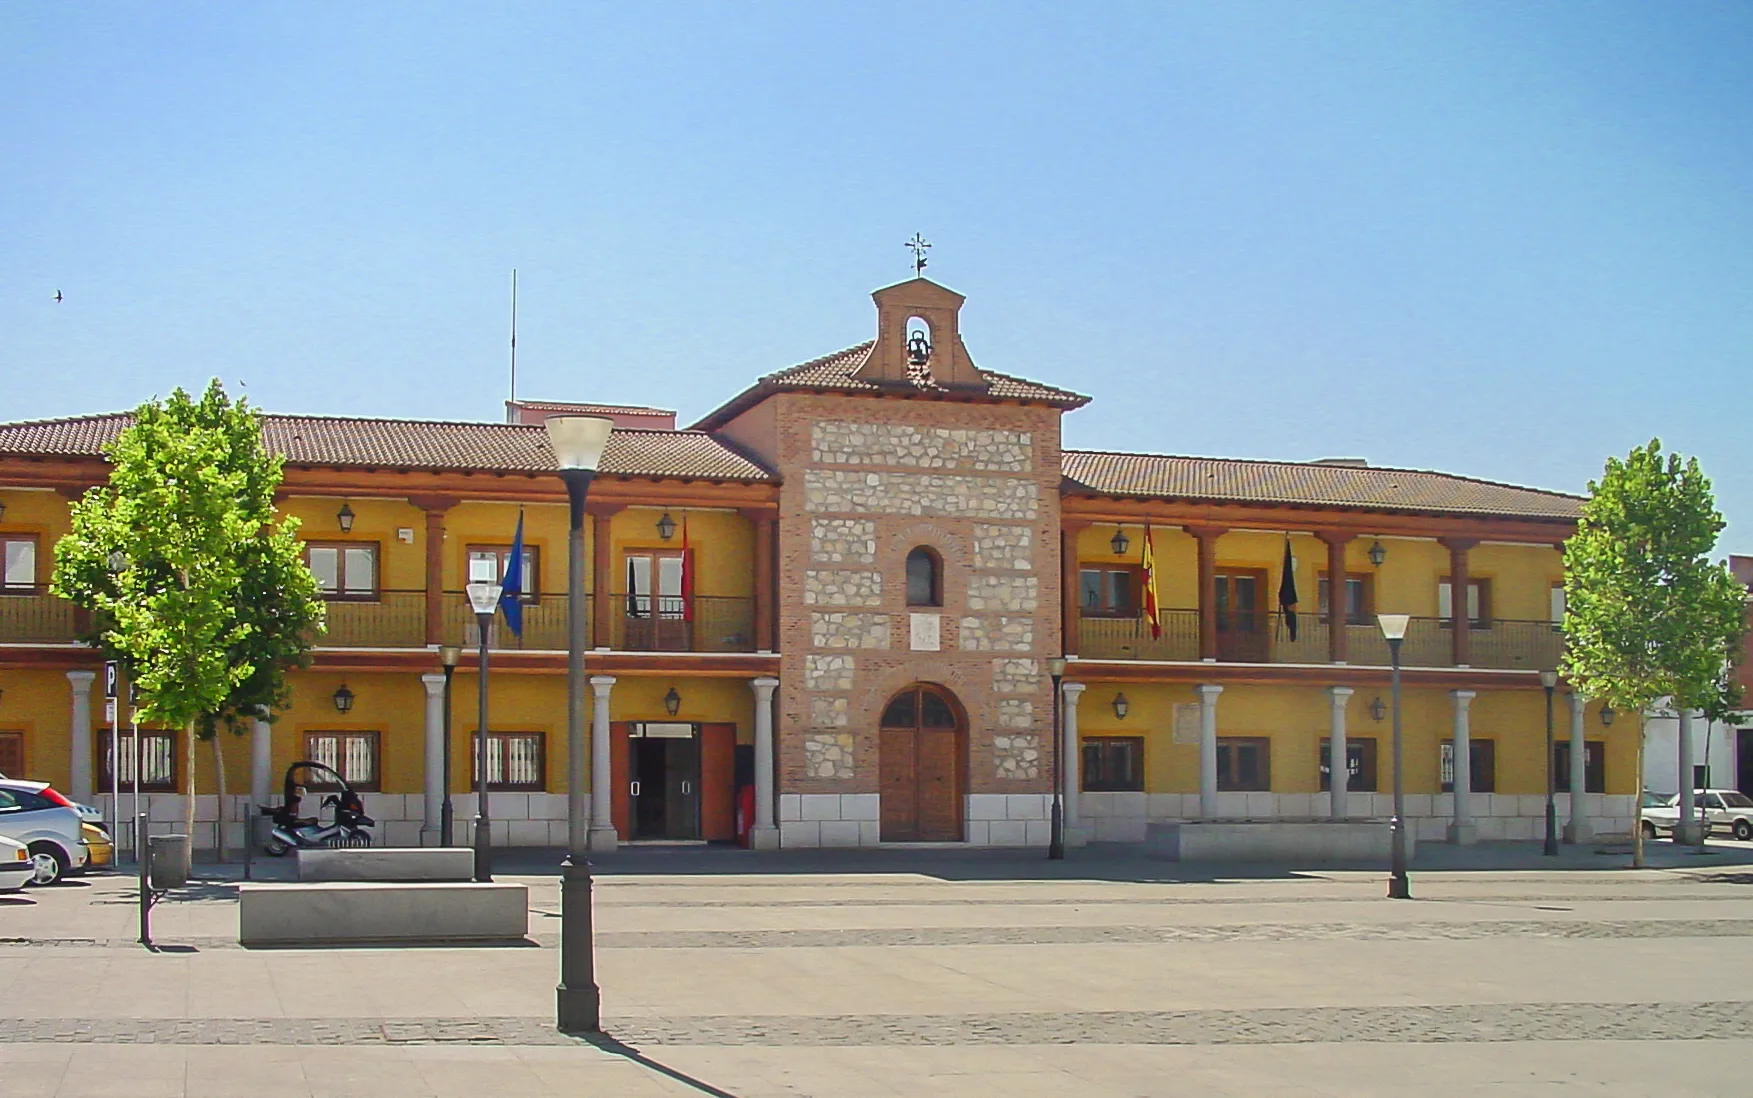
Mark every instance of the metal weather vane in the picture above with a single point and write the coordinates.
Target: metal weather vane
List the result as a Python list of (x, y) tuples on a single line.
[(918, 246)]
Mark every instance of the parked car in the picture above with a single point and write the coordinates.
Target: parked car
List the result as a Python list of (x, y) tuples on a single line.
[(1718, 809), (47, 824), (98, 842), (16, 867)]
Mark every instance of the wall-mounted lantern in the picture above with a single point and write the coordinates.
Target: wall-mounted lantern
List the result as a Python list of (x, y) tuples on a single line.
[(1121, 706), (672, 702), (344, 518), (1607, 715), (1378, 553), (666, 527), (1120, 542), (2, 510), (1378, 710), (343, 699)]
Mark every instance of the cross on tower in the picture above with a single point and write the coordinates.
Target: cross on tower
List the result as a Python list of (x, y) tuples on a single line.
[(918, 246)]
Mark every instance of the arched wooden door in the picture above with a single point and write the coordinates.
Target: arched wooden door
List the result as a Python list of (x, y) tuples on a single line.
[(924, 740)]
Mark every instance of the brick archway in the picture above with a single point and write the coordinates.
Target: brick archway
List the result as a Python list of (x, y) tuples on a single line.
[(922, 765)]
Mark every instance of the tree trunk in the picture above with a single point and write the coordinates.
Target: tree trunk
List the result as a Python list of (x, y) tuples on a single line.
[(189, 801), (1637, 798), (219, 776)]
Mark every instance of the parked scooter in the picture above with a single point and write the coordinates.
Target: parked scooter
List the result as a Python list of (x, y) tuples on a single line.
[(349, 827)]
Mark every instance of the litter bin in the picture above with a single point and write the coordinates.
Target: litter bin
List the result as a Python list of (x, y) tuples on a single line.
[(167, 861)]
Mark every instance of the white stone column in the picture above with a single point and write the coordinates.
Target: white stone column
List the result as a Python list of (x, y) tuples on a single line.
[(1462, 831), (1073, 692), (764, 833), (79, 748), (1338, 761), (1577, 830), (261, 759), (1688, 831), (433, 787), (1208, 749), (602, 819)]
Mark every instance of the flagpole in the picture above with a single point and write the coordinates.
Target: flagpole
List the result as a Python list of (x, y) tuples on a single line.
[(511, 413)]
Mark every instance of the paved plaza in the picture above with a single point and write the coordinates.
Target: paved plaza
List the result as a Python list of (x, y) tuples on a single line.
[(930, 973)]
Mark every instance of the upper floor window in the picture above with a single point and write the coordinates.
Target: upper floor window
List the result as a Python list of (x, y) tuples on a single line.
[(1478, 602), (344, 570), (19, 574), (1108, 591), (1359, 607), (924, 578), (1557, 601), (657, 584), (487, 564)]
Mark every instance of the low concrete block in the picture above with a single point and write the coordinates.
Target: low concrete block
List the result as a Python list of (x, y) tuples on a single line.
[(386, 863), (1291, 842), (360, 913)]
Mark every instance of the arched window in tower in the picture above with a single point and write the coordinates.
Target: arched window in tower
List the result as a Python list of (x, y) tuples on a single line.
[(918, 341), (924, 578)]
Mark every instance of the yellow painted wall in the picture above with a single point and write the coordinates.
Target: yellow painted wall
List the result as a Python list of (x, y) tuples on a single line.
[(45, 514), (40, 704), (401, 565), (1296, 719)]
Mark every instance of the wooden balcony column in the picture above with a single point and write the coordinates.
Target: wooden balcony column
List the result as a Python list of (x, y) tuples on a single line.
[(1207, 537), (1071, 609), (1337, 641), (1459, 582), (602, 571), (435, 508), (766, 528)]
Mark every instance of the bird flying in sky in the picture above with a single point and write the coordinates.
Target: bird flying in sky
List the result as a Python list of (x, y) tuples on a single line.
[(57, 297)]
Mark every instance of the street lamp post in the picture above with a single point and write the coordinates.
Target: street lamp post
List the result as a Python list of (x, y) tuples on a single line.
[(449, 655), (1399, 886), (484, 600), (578, 443), (1549, 679), (1056, 836)]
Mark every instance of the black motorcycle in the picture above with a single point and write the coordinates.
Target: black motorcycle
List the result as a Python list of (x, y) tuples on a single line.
[(349, 825)]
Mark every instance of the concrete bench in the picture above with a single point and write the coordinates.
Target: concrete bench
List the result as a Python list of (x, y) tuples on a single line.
[(1291, 842), (365, 913), (386, 863)]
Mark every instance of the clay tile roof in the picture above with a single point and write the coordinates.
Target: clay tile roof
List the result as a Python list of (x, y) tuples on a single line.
[(836, 371), (421, 444), (1312, 484), (567, 406)]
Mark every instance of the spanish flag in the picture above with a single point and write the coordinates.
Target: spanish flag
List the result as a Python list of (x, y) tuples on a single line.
[(1152, 611)]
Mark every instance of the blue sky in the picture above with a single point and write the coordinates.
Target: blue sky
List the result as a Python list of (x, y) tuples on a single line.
[(1490, 238)]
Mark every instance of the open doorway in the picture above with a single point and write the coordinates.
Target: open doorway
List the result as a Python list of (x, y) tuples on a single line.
[(673, 780)]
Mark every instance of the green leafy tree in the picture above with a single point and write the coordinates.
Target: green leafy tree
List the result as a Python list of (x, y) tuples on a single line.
[(1647, 615), (192, 580)]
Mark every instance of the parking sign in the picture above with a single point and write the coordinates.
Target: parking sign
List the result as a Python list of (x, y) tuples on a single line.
[(112, 675)]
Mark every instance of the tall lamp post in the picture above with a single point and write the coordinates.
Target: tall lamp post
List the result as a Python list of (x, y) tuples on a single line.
[(484, 600), (1399, 886), (578, 443), (449, 655), (1056, 837), (1549, 679)]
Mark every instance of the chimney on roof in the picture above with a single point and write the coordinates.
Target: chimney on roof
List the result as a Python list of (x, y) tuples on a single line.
[(533, 412), (1354, 463)]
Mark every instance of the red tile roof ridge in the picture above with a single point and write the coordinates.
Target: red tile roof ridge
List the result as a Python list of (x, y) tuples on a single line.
[(1065, 450)]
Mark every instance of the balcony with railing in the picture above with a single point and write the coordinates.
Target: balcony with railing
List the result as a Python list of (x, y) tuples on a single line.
[(395, 619), (544, 625), (1267, 638), (33, 616), (702, 623)]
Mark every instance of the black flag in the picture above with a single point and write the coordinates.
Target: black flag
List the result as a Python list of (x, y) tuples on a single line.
[(1287, 590)]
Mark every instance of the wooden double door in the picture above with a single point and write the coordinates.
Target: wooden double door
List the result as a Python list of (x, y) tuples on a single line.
[(922, 765)]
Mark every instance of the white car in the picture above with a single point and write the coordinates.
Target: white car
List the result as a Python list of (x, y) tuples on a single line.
[(16, 867), (47, 824), (1719, 809)]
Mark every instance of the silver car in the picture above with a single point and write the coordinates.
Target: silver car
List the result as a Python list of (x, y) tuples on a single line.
[(16, 869), (47, 824)]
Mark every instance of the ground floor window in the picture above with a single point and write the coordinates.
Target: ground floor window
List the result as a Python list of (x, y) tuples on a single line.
[(1594, 766), (12, 754), (1112, 764), (158, 760), (1244, 764), (1360, 759), (516, 761), (353, 755), (1482, 776)]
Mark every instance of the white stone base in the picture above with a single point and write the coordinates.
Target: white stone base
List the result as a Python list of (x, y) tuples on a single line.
[(829, 819), (1008, 819), (1281, 841)]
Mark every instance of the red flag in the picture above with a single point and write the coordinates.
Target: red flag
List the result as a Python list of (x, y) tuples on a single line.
[(1151, 611)]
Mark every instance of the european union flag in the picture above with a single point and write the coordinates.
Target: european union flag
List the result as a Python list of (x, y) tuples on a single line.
[(511, 586)]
